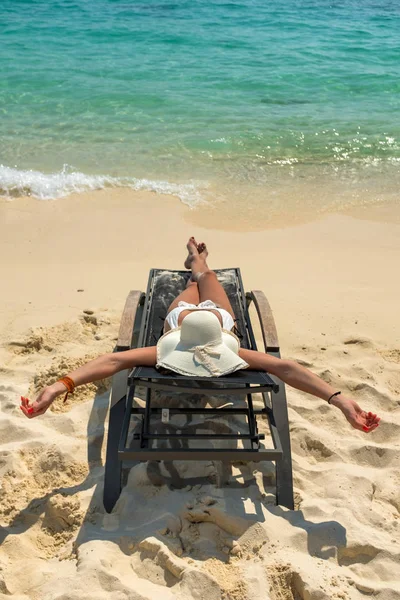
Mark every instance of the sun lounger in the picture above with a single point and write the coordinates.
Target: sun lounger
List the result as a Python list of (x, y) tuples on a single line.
[(154, 435)]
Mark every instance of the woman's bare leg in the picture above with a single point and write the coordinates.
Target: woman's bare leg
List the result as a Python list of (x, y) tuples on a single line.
[(208, 285), (190, 295)]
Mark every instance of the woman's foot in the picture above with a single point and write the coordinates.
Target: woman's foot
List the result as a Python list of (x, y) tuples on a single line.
[(202, 250), (196, 251), (193, 253)]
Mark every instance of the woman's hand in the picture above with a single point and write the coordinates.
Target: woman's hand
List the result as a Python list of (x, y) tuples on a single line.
[(357, 417), (42, 402)]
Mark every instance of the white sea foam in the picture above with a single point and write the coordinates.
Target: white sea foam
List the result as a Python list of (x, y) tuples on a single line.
[(48, 186)]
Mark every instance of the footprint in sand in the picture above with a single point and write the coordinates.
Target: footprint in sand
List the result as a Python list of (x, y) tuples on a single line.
[(191, 581), (313, 447), (89, 317), (375, 456), (303, 363), (363, 373), (208, 531), (362, 342), (11, 430), (8, 405), (285, 582), (62, 514), (356, 554), (34, 343), (289, 582), (50, 468), (211, 578), (95, 324), (391, 495), (366, 392)]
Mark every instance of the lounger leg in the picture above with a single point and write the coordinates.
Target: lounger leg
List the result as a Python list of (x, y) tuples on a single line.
[(127, 338), (113, 466), (283, 467), (284, 477), (223, 472)]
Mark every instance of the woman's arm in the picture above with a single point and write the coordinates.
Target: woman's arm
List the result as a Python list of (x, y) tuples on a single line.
[(99, 368), (288, 371), (302, 379)]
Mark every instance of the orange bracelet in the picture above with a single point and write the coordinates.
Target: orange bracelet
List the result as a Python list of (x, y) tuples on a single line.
[(69, 384)]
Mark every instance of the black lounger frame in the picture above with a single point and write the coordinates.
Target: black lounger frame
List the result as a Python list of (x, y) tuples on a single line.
[(141, 325)]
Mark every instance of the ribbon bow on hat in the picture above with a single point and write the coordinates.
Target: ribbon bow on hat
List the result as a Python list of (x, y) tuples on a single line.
[(203, 356)]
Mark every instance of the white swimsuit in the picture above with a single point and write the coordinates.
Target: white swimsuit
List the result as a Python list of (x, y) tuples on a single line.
[(173, 316)]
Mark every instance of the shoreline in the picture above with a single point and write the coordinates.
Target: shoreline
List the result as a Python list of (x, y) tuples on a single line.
[(242, 198)]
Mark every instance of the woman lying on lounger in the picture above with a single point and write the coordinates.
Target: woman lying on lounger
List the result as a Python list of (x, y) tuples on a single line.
[(198, 340)]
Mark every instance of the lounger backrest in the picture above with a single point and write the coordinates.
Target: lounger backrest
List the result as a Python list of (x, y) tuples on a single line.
[(164, 286)]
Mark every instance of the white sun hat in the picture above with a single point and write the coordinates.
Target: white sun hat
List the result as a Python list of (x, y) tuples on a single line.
[(200, 347)]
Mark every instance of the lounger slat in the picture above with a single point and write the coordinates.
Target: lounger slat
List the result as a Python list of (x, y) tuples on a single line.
[(228, 456), (242, 377)]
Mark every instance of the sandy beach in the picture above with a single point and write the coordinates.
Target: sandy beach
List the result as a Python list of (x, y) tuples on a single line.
[(67, 266)]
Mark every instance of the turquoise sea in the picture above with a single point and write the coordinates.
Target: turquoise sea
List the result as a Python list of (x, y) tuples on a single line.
[(188, 96)]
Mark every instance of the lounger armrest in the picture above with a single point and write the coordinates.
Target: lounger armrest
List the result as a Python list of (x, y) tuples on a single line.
[(125, 335), (266, 318)]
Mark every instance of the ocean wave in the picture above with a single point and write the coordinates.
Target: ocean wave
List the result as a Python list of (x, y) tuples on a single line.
[(15, 183)]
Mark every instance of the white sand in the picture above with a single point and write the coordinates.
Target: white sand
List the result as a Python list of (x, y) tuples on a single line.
[(334, 288)]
